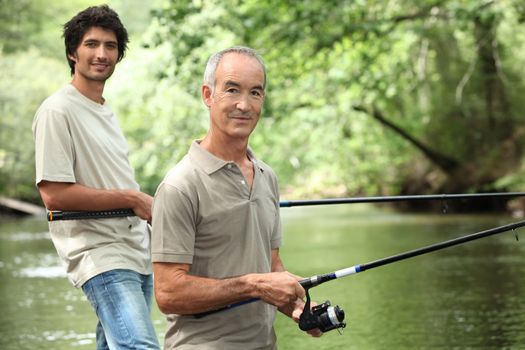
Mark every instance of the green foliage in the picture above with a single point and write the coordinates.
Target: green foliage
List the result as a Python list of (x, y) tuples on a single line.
[(438, 70), (363, 97), (36, 23), (18, 20), (27, 80)]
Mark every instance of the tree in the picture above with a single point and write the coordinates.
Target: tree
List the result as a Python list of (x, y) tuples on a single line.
[(412, 96)]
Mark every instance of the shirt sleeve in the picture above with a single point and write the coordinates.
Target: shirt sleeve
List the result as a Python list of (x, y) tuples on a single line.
[(54, 150), (173, 229)]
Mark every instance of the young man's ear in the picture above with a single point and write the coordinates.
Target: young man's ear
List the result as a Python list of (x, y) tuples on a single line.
[(206, 95), (72, 57)]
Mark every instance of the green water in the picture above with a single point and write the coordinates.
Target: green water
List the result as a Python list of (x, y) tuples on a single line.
[(465, 297)]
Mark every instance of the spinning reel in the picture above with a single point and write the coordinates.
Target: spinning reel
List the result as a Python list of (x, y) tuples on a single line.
[(324, 316)]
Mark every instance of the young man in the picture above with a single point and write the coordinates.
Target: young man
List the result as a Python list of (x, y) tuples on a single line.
[(82, 164), (217, 231)]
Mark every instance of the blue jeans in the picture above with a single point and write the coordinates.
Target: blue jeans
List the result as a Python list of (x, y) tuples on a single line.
[(122, 302)]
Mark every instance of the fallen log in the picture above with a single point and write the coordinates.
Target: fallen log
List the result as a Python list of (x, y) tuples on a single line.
[(20, 207)]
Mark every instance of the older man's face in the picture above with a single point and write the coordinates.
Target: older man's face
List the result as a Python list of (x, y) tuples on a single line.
[(237, 101)]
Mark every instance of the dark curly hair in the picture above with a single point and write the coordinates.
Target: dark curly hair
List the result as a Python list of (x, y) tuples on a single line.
[(95, 16)]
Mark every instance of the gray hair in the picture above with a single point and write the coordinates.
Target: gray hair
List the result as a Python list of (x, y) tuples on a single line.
[(213, 62)]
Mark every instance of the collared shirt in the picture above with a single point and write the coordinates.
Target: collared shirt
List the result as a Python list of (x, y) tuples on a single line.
[(204, 214)]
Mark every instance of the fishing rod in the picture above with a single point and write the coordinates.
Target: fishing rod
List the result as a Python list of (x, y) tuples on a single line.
[(78, 215), (55, 215), (327, 317), (380, 199)]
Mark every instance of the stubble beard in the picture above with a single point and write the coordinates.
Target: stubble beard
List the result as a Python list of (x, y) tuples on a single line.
[(99, 77)]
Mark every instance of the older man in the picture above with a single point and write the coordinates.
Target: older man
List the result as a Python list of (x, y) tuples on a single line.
[(216, 228)]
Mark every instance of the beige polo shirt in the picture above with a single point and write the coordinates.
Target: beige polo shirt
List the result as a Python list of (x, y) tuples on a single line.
[(80, 141), (205, 215)]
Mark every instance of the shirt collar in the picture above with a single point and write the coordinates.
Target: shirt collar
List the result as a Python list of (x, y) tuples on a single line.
[(210, 163)]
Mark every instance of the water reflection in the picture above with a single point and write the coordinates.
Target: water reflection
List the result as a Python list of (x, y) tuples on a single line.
[(43, 272), (39, 307), (465, 297)]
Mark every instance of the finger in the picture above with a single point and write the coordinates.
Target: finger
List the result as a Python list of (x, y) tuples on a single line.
[(299, 291), (315, 332), (298, 309), (298, 278), (296, 314)]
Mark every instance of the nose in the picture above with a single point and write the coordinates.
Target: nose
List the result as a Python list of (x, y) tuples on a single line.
[(243, 103), (101, 52)]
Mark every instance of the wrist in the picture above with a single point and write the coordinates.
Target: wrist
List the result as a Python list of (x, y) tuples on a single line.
[(250, 285), (130, 198)]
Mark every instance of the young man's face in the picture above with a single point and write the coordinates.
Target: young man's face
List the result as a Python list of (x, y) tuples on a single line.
[(237, 101), (96, 55)]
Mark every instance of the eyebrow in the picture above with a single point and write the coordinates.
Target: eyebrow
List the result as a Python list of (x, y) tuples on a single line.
[(236, 84), (231, 83), (93, 40)]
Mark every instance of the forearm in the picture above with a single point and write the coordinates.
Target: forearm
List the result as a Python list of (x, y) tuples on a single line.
[(181, 293), (176, 291), (277, 264), (71, 196)]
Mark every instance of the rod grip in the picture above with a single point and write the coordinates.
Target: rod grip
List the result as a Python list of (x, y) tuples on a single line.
[(313, 281), (56, 215)]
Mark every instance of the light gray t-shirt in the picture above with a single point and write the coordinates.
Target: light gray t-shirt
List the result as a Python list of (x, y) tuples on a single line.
[(79, 141), (205, 215)]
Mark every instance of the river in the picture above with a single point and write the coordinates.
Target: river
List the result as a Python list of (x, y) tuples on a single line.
[(465, 297)]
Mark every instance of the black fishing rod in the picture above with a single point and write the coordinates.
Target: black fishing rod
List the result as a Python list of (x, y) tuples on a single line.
[(327, 317), (317, 280), (56, 215), (382, 199), (78, 215)]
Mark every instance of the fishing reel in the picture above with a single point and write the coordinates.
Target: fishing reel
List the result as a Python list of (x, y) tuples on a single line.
[(324, 316)]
